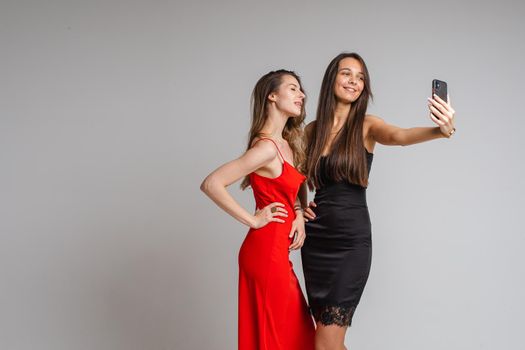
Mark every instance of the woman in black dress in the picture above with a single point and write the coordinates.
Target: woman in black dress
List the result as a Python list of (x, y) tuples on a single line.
[(337, 252)]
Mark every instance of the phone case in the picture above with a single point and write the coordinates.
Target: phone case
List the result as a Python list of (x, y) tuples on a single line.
[(439, 88)]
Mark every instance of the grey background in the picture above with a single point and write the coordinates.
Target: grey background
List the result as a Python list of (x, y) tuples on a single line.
[(112, 112)]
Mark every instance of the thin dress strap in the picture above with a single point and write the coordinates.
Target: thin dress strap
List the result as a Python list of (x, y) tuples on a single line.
[(278, 150)]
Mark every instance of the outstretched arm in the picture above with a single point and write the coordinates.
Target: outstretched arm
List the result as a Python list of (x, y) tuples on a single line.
[(387, 134), (214, 186)]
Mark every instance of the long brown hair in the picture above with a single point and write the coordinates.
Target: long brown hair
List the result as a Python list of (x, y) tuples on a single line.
[(292, 132), (347, 158)]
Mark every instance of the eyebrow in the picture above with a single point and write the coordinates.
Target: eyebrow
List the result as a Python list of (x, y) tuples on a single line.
[(351, 70), (293, 84)]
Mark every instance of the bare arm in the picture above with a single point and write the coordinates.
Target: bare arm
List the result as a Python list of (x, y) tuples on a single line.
[(387, 134), (297, 231), (302, 196), (308, 213), (392, 135), (214, 186)]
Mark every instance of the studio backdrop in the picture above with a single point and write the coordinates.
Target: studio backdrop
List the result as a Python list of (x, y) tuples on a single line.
[(112, 113)]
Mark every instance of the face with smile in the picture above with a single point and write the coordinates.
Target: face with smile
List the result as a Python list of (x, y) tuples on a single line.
[(350, 80), (289, 97)]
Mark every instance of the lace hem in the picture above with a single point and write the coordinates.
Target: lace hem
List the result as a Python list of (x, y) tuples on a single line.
[(330, 314)]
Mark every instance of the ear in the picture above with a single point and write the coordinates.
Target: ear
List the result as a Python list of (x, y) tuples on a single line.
[(272, 97)]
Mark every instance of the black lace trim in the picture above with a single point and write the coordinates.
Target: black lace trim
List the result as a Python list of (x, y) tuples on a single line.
[(338, 315)]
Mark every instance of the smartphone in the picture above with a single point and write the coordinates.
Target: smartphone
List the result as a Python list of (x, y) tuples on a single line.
[(439, 88)]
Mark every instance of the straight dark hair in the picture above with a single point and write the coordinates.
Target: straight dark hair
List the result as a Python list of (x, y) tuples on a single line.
[(347, 158)]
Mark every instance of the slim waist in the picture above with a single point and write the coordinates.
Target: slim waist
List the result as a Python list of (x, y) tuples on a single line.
[(341, 192)]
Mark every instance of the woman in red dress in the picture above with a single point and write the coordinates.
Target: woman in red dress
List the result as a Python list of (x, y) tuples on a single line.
[(273, 313)]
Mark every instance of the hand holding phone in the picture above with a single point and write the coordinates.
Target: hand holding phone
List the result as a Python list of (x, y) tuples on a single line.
[(439, 88), (440, 109)]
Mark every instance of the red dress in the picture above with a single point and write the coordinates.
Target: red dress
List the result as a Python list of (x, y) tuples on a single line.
[(273, 314)]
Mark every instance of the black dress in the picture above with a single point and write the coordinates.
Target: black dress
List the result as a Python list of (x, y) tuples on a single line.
[(337, 252)]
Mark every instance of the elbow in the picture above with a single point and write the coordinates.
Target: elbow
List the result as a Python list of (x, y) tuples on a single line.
[(210, 185), (206, 185)]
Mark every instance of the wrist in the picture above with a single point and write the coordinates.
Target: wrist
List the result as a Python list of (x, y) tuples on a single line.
[(449, 133), (297, 208), (299, 213), (252, 223)]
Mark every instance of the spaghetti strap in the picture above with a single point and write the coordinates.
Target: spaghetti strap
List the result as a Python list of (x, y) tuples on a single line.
[(278, 150)]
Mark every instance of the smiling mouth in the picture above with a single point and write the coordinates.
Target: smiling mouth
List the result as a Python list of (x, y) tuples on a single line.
[(352, 90), (299, 104)]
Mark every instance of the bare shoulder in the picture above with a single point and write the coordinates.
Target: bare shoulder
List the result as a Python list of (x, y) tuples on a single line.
[(308, 129), (371, 120), (263, 148)]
